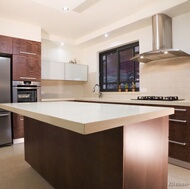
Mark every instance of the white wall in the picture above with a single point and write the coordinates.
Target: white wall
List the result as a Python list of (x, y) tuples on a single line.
[(181, 32), (91, 54), (19, 30), (54, 51), (162, 78)]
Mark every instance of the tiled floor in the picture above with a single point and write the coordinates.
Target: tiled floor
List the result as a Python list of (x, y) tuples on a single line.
[(15, 173)]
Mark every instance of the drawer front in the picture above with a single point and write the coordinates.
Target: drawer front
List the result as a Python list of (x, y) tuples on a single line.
[(178, 131), (180, 151), (181, 113)]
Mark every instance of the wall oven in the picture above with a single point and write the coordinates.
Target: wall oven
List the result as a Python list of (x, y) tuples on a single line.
[(26, 91)]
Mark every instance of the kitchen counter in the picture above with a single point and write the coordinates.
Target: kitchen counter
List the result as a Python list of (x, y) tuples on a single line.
[(86, 118), (124, 101), (96, 145), (146, 102)]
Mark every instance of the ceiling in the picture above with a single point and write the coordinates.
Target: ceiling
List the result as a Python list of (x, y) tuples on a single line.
[(88, 19)]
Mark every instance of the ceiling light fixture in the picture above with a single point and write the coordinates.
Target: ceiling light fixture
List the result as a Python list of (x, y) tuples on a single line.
[(62, 44), (65, 9), (106, 35)]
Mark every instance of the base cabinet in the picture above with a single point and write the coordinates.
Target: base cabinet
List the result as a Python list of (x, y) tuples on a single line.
[(110, 159), (179, 132), (18, 126)]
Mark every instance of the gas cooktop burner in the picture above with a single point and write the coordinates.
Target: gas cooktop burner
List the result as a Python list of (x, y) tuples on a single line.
[(163, 98)]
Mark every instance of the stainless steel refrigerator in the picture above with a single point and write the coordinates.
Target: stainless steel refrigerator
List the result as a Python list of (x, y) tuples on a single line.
[(5, 97)]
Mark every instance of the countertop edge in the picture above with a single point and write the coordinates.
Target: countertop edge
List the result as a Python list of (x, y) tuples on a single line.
[(89, 127)]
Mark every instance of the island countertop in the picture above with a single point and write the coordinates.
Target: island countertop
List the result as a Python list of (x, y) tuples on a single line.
[(86, 118)]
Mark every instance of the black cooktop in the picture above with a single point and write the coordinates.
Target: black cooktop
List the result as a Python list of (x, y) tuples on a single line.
[(161, 98)]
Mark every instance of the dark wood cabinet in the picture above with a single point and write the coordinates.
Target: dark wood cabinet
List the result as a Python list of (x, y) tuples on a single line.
[(27, 47), (26, 60), (179, 132), (5, 44), (26, 67), (18, 126)]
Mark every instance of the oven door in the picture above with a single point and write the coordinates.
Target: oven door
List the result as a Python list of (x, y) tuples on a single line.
[(25, 94)]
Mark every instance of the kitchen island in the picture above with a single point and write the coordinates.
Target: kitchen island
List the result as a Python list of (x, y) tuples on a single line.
[(76, 145)]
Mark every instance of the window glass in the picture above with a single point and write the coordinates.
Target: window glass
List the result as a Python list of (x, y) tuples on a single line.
[(116, 68)]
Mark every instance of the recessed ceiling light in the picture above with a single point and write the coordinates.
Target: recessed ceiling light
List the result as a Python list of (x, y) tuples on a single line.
[(65, 9), (62, 44), (105, 35)]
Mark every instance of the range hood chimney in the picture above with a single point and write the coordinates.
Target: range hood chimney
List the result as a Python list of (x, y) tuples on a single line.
[(162, 41)]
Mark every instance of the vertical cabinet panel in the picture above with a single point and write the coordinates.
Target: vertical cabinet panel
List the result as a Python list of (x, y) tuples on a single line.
[(5, 44), (18, 126)]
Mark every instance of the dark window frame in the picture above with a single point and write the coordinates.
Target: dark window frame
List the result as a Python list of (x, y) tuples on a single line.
[(118, 82)]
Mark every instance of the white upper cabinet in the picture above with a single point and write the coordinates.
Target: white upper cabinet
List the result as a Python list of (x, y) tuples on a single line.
[(52, 70), (76, 72), (64, 71)]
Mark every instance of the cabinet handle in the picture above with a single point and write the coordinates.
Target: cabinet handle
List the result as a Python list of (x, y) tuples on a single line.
[(28, 78), (178, 120), (175, 142), (29, 53), (21, 119), (180, 110), (4, 115)]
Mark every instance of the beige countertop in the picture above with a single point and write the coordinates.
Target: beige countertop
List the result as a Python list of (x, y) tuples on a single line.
[(127, 101), (86, 118)]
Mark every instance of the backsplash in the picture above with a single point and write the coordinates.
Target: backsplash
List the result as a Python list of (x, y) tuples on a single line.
[(61, 89), (169, 77)]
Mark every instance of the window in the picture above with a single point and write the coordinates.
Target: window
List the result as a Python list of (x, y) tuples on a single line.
[(116, 69)]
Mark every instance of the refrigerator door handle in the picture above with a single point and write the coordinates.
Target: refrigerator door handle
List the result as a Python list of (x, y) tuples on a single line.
[(3, 115)]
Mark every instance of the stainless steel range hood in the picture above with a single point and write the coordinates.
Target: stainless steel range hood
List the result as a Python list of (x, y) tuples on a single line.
[(162, 41)]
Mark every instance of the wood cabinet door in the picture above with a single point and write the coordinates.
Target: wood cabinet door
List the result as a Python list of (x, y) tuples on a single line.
[(22, 46), (18, 126), (5, 44), (26, 67)]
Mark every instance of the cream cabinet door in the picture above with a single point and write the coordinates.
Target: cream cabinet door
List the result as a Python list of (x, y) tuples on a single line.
[(76, 72), (53, 70)]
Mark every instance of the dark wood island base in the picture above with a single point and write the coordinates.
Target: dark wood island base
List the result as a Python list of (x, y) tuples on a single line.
[(127, 157)]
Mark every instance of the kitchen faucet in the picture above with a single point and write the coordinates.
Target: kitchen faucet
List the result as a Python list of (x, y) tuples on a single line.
[(94, 89)]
